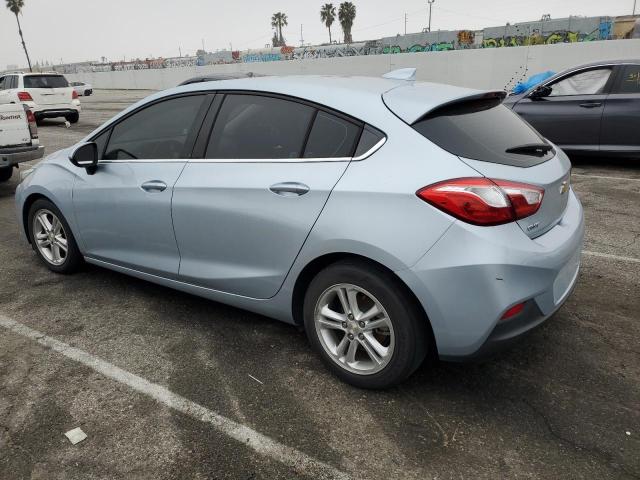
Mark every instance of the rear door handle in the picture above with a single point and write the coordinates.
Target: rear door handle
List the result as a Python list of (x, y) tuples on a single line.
[(289, 189), (154, 186), (591, 104)]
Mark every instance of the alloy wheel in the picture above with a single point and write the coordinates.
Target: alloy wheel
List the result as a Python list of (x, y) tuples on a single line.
[(50, 237), (354, 329)]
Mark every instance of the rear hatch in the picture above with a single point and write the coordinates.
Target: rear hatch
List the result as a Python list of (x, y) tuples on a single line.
[(493, 140), (14, 129), (48, 89)]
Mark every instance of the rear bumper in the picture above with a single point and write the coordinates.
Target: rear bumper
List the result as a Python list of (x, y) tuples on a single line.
[(472, 275), (55, 112), (12, 156)]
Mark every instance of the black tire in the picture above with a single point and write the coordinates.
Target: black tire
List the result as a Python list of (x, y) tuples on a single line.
[(5, 173), (412, 334), (73, 259), (73, 117), (87, 93)]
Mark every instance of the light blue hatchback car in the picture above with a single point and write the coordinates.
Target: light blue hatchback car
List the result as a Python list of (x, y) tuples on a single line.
[(393, 219)]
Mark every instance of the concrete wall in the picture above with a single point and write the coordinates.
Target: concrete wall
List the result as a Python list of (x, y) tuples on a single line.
[(481, 68)]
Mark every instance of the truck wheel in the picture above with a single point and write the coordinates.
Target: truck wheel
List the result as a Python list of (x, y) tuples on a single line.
[(73, 117), (5, 173)]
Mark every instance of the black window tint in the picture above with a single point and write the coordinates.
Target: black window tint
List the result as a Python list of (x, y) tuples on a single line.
[(369, 139), (482, 131), (45, 81), (331, 137), (101, 141), (2, 83), (252, 126), (630, 82), (160, 131)]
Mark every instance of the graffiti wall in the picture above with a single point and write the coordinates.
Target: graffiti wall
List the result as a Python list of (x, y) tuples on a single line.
[(543, 32)]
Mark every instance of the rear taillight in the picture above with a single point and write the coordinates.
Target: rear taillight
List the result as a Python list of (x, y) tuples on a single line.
[(74, 95), (513, 311), (25, 97), (482, 201), (31, 119)]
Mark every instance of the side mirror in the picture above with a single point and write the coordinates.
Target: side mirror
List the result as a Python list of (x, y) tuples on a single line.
[(541, 92), (85, 156)]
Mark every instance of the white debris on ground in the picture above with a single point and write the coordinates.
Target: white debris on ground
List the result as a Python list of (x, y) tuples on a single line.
[(76, 435)]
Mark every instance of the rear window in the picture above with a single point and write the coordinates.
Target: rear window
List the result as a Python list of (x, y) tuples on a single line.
[(45, 81), (484, 130)]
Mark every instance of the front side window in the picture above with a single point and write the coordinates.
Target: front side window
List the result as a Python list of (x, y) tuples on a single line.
[(45, 81), (630, 82), (331, 137), (591, 82), (160, 131), (258, 127)]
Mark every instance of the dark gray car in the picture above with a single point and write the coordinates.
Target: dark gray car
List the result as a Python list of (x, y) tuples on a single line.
[(588, 109)]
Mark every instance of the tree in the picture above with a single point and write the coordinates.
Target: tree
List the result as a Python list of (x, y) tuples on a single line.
[(279, 20), (346, 16), (16, 7), (327, 16)]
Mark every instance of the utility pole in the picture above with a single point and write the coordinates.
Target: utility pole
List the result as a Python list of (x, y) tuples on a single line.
[(180, 50), (430, 2), (203, 45), (405, 23), (634, 6), (301, 37)]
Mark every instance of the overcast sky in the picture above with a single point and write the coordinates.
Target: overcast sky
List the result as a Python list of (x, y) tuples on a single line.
[(78, 30)]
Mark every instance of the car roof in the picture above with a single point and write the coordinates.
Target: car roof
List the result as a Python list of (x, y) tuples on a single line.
[(360, 97)]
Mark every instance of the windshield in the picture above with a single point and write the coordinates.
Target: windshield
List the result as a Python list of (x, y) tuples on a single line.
[(45, 81)]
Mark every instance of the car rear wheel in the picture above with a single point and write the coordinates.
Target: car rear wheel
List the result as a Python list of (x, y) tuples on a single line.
[(73, 117), (364, 325), (5, 173), (52, 239)]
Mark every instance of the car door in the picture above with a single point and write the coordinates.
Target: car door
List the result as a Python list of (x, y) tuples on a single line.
[(243, 211), (621, 118), (123, 210), (570, 114)]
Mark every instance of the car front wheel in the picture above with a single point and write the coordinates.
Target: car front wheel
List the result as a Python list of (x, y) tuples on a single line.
[(52, 239), (364, 325), (73, 117)]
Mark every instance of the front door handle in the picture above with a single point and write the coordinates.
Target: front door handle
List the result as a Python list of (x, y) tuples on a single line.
[(591, 105), (289, 189), (154, 186)]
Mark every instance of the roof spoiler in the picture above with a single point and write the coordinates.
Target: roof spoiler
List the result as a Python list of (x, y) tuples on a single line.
[(480, 101), (408, 74)]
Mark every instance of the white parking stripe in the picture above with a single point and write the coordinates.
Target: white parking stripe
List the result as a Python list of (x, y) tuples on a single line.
[(612, 257), (255, 440), (604, 177)]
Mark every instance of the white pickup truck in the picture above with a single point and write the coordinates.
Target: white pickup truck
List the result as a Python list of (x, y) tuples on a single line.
[(18, 138)]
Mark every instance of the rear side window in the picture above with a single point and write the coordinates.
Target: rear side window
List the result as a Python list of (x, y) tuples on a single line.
[(370, 138), (331, 137), (591, 82), (160, 131), (630, 82), (258, 127), (483, 130), (45, 81)]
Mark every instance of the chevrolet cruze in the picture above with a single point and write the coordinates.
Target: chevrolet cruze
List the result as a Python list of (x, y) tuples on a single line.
[(392, 219)]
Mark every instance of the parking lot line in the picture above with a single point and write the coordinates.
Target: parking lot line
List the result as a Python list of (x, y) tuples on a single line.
[(258, 442), (604, 177), (611, 257)]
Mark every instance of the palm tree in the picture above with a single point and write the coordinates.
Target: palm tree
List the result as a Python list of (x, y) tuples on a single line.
[(327, 16), (346, 16), (16, 6), (279, 20)]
